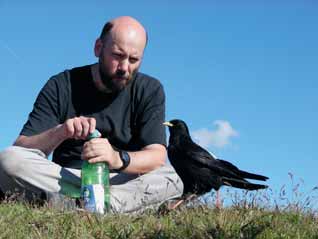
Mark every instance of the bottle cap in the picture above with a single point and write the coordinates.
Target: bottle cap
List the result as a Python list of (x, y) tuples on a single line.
[(95, 134)]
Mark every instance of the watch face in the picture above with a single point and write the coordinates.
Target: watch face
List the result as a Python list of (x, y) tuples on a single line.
[(125, 158)]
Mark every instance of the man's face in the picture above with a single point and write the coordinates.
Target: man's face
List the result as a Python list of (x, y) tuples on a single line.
[(119, 61)]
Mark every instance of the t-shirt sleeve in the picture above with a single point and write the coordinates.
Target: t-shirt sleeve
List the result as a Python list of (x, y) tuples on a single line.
[(152, 115), (46, 111)]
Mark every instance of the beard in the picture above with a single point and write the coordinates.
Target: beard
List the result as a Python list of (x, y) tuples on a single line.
[(115, 82)]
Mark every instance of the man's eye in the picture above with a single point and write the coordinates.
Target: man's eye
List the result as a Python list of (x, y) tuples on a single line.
[(117, 54), (133, 60)]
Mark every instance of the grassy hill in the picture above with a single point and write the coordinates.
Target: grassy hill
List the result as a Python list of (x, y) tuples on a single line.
[(289, 213), (19, 220)]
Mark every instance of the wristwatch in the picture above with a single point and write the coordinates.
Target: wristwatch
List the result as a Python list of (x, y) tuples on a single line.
[(125, 158)]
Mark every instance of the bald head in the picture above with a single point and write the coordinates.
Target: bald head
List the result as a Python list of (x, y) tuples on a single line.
[(127, 24)]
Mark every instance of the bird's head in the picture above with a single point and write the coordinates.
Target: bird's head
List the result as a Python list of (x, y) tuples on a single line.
[(177, 127)]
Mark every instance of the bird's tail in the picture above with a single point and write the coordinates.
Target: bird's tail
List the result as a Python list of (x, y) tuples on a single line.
[(243, 184)]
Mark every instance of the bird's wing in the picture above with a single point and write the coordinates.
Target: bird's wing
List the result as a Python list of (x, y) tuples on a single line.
[(221, 167), (203, 157), (242, 173)]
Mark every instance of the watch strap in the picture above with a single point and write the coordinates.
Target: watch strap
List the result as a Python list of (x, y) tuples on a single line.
[(125, 158)]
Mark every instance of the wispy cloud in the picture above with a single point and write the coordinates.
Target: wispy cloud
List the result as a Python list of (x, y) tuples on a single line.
[(219, 137)]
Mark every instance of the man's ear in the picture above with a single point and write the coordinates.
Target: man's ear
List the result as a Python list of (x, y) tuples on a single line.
[(98, 47)]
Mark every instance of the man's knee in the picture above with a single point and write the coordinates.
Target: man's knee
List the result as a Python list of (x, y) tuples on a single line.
[(12, 161)]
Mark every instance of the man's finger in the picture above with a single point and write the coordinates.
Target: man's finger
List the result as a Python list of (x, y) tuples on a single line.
[(92, 125), (78, 128), (96, 159), (69, 128), (85, 127)]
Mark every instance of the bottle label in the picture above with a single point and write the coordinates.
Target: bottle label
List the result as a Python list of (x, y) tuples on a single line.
[(93, 196)]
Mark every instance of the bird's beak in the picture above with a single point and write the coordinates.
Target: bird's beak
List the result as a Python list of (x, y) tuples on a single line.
[(167, 123)]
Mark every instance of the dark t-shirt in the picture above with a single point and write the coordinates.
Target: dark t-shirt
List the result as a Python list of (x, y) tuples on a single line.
[(130, 119)]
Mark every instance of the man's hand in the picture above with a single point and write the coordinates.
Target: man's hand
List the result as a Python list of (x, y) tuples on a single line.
[(78, 127), (100, 150), (47, 141)]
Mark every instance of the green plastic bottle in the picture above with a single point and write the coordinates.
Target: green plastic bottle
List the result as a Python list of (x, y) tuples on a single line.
[(95, 184)]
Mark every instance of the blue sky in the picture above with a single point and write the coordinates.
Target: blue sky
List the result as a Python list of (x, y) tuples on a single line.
[(243, 76)]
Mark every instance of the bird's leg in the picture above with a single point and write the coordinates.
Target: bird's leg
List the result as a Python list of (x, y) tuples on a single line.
[(218, 203), (190, 197), (177, 204)]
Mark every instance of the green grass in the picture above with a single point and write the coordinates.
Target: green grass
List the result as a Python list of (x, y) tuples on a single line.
[(264, 214), (19, 220)]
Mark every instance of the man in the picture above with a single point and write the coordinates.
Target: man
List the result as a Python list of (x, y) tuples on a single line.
[(126, 106)]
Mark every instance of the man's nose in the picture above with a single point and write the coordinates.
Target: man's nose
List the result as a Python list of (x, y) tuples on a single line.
[(123, 65)]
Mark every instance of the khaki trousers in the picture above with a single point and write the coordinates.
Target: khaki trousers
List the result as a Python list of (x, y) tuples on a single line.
[(29, 171)]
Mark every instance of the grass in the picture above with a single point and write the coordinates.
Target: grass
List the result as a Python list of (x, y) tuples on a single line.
[(251, 215), (23, 221)]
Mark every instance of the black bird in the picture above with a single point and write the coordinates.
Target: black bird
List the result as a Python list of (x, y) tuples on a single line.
[(198, 169)]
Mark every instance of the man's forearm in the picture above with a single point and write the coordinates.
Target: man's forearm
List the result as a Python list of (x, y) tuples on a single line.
[(146, 160), (46, 141)]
